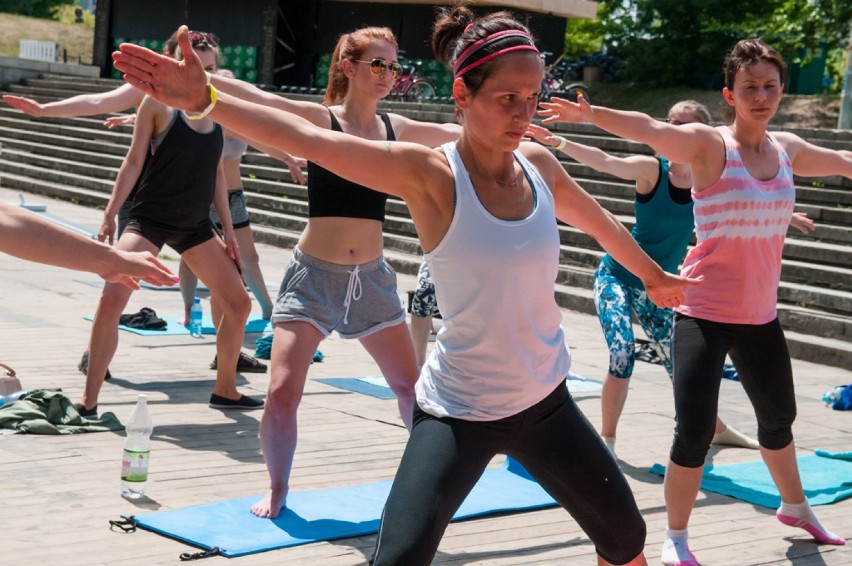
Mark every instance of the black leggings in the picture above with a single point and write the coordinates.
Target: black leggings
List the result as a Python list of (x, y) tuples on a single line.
[(759, 352), (445, 457)]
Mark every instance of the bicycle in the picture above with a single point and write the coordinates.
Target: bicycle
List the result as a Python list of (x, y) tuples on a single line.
[(556, 75), (411, 87)]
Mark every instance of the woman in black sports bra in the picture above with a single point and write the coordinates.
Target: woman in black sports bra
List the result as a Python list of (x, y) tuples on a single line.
[(176, 186), (340, 249)]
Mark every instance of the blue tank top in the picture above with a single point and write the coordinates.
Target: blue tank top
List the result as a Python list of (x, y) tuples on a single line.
[(332, 195), (663, 229)]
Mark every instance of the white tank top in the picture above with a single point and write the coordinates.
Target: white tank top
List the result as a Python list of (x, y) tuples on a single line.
[(501, 349)]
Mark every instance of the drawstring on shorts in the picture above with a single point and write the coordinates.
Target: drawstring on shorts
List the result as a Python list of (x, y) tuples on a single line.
[(353, 291)]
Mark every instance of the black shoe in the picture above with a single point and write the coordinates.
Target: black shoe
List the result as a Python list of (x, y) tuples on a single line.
[(246, 364), (83, 366), (244, 402), (88, 414)]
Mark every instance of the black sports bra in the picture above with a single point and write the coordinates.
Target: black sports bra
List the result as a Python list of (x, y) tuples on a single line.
[(332, 195)]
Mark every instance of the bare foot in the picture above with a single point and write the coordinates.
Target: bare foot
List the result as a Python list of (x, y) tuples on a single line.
[(270, 506)]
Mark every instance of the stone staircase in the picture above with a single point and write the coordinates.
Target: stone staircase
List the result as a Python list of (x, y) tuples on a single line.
[(77, 159)]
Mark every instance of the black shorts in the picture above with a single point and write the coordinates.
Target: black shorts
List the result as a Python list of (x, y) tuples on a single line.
[(179, 238)]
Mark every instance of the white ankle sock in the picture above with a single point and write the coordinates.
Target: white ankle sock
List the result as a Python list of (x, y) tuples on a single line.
[(676, 550), (610, 443), (732, 437), (801, 515)]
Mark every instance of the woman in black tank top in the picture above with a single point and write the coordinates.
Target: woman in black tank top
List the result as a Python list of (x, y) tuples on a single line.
[(176, 187)]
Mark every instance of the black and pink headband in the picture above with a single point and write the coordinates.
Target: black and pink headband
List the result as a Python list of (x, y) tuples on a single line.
[(463, 64)]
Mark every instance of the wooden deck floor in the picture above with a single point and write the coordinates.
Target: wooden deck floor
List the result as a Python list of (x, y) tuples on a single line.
[(58, 493)]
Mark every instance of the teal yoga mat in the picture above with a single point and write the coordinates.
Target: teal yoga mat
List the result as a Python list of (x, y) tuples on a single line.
[(175, 328), (330, 514), (378, 387), (826, 477)]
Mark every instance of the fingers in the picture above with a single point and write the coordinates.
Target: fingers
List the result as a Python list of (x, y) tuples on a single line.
[(128, 281)]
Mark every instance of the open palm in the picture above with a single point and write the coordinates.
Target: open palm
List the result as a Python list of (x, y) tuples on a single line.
[(179, 84)]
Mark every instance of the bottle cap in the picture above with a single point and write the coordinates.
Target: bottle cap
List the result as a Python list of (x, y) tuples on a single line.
[(197, 300)]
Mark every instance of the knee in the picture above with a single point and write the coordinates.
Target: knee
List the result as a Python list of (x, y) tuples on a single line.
[(283, 402), (621, 361), (691, 443), (237, 307), (625, 543), (776, 433), (112, 302)]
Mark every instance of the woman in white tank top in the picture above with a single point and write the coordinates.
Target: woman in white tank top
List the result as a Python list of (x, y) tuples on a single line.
[(485, 208)]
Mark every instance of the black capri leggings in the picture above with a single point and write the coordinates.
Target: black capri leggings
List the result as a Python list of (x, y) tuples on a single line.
[(759, 352), (552, 439)]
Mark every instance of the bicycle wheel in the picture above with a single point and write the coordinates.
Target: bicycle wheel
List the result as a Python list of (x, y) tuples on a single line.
[(572, 91), (420, 90)]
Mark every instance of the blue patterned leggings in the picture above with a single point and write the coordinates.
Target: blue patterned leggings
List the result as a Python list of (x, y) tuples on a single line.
[(615, 301)]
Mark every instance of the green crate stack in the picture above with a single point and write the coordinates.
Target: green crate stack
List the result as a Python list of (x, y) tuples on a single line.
[(321, 72), (241, 60)]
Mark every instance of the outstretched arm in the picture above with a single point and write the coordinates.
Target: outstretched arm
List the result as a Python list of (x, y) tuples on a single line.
[(31, 237), (429, 134), (131, 168), (577, 208), (184, 85), (122, 98), (640, 168), (697, 145), (811, 160)]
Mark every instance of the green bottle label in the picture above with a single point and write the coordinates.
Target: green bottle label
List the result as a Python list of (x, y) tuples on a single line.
[(134, 465)]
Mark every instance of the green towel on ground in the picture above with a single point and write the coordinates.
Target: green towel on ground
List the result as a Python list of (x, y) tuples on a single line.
[(47, 411)]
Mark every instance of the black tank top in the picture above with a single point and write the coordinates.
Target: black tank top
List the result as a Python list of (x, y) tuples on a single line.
[(177, 184), (332, 195)]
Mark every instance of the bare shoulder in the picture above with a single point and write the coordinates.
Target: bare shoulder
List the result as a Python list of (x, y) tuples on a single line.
[(789, 140), (539, 156)]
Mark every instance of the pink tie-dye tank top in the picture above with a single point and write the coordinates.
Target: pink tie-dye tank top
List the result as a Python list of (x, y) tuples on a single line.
[(740, 226)]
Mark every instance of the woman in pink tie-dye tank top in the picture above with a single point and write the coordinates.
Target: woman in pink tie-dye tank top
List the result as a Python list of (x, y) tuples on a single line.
[(744, 195)]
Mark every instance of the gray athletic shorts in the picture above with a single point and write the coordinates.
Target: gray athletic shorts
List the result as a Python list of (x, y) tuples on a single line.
[(354, 300), (237, 202)]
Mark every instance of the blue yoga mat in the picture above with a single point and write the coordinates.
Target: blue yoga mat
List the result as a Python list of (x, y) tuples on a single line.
[(826, 477), (330, 514), (378, 387), (373, 386), (175, 328)]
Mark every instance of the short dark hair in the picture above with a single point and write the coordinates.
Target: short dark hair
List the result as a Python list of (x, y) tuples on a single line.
[(747, 52)]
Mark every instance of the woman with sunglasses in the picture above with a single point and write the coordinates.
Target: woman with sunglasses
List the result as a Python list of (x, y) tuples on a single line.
[(338, 279), (176, 159), (663, 228), (485, 209), (744, 196)]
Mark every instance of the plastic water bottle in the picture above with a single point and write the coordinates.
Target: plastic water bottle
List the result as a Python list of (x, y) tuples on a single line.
[(137, 450), (14, 396), (195, 314), (833, 395)]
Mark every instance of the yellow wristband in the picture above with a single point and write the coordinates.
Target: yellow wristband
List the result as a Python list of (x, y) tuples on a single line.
[(214, 96), (562, 143)]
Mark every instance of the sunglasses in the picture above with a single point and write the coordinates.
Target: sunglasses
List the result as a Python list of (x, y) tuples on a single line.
[(379, 66), (202, 37)]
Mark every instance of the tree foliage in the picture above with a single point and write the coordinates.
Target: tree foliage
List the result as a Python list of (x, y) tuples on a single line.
[(684, 42), (34, 8)]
